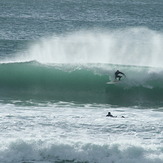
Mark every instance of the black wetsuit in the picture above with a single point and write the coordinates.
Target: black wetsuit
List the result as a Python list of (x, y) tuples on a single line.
[(117, 75), (109, 115)]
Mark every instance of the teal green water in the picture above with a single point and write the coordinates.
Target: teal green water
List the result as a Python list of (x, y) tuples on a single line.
[(86, 84), (71, 32)]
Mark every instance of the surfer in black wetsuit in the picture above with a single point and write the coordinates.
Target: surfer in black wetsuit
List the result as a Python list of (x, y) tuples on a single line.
[(110, 115), (118, 75)]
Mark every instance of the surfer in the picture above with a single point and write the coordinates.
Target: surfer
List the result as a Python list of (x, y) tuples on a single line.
[(118, 75), (110, 115)]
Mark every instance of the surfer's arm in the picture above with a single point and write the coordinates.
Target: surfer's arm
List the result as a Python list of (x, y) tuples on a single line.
[(122, 73)]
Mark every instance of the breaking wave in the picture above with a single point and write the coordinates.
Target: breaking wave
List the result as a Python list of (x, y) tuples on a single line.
[(39, 152), (81, 83), (130, 46)]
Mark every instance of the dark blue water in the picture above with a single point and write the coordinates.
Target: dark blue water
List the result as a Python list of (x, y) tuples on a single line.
[(24, 20)]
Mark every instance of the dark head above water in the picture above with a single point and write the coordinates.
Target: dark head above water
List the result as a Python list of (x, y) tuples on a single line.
[(109, 115)]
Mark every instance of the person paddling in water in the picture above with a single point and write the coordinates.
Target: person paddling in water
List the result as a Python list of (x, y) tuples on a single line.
[(118, 75), (110, 115)]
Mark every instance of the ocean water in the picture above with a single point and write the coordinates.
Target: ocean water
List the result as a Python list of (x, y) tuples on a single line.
[(55, 59)]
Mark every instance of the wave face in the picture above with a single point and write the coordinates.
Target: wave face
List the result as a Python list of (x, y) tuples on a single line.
[(81, 83)]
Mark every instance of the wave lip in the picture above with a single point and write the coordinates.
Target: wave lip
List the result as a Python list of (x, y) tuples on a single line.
[(135, 46)]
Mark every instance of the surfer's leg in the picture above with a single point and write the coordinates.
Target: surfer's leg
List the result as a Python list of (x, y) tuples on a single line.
[(120, 78)]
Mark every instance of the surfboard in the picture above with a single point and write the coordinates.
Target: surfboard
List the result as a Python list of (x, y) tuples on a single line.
[(112, 82)]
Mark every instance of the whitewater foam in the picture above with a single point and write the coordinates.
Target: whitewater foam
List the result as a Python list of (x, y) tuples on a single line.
[(131, 46), (69, 132), (38, 152)]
